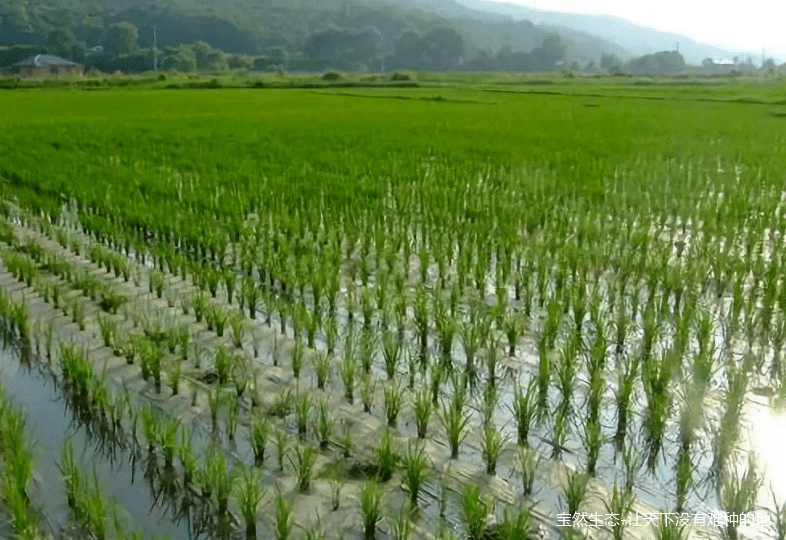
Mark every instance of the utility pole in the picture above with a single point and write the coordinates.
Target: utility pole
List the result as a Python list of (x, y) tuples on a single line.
[(155, 51)]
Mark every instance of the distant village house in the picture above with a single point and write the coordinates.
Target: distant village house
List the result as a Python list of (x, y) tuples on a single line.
[(47, 65)]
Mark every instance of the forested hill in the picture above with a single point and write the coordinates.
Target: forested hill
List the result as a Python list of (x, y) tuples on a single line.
[(308, 34)]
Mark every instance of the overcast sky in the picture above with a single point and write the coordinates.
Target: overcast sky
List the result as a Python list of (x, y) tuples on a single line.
[(735, 26)]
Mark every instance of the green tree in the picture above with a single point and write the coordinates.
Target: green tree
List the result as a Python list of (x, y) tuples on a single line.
[(409, 49), (61, 42), (121, 38), (444, 48), (610, 62)]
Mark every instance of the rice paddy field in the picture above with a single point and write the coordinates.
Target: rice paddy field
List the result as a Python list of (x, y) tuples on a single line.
[(459, 310)]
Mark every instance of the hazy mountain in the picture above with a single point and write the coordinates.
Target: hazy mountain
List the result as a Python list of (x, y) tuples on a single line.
[(637, 39)]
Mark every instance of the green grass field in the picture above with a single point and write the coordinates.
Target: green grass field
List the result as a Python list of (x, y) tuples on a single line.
[(581, 271)]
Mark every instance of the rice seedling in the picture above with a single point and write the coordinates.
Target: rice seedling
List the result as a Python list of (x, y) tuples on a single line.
[(738, 494), (436, 377), (232, 415), (303, 406), (108, 328), (491, 357), (238, 326), (492, 444), (387, 458), (78, 313), (632, 462), (626, 379), (515, 524), (322, 369), (524, 410), (559, 432), (415, 466), (281, 442), (188, 460), (668, 530), (619, 506), (175, 373), (574, 491), (367, 390), (335, 492), (325, 424), (778, 514), (391, 353), (455, 422), (303, 463), (729, 433), (224, 363), (348, 372), (282, 404), (446, 327), (527, 465), (297, 360), (683, 472), (423, 408), (371, 507), (475, 511), (544, 376), (592, 440), (218, 478), (259, 436), (284, 518), (401, 528), (168, 431), (393, 402)]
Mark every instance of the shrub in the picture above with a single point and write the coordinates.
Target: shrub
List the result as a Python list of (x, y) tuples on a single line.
[(332, 75)]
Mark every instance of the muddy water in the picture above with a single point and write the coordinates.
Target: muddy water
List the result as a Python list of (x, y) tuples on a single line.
[(49, 424)]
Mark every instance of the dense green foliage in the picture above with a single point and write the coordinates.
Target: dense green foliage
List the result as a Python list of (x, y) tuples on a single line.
[(350, 35)]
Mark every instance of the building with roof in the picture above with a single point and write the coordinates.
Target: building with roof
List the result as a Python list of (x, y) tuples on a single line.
[(47, 65)]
